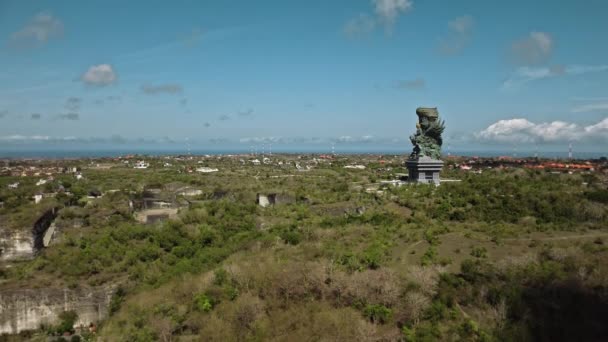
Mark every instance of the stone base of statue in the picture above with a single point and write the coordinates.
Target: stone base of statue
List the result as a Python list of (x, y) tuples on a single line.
[(424, 170)]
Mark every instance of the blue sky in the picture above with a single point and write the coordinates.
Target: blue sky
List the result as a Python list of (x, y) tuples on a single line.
[(503, 74)]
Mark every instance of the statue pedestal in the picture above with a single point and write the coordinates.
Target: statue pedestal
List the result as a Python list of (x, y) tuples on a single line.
[(424, 170)]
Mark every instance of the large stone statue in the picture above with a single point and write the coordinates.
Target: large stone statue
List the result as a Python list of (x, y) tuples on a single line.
[(424, 163), (427, 140)]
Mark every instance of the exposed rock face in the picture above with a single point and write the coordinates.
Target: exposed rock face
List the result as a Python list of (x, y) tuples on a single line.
[(151, 216), (263, 200), (274, 199), (29, 309), (16, 245), (41, 226), (23, 244)]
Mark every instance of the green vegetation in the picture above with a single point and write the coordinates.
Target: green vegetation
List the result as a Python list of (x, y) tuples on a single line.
[(511, 255)]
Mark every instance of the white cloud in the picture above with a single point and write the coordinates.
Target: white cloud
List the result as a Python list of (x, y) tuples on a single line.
[(262, 140), (459, 36), (359, 26), (583, 69), (521, 130), (17, 137), (345, 139), (39, 30), (600, 129), (592, 107), (386, 12), (534, 49), (389, 10), (527, 74), (99, 75), (351, 140)]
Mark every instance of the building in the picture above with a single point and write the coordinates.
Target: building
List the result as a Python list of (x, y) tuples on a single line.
[(205, 169), (141, 165)]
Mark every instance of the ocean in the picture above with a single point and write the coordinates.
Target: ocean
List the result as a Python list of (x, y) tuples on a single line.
[(71, 153)]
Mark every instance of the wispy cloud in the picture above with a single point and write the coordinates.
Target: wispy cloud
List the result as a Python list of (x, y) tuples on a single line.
[(389, 10), (523, 75), (193, 37), (162, 88), (43, 27), (534, 49), (73, 104), (592, 107), (386, 13), (415, 84), (351, 140), (3, 113), (33, 138), (108, 99), (69, 116), (224, 117), (35, 116), (360, 26), (246, 113), (589, 98), (459, 36)]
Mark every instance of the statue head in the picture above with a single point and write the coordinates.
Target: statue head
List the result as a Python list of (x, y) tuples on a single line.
[(426, 116), (431, 114)]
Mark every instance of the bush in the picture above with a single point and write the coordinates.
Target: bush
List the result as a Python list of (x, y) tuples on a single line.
[(203, 303), (600, 196), (429, 257), (377, 313), (291, 237), (67, 321), (470, 270), (117, 300), (373, 256), (479, 252)]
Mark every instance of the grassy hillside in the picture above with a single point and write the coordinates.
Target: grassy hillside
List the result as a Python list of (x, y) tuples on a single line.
[(512, 255)]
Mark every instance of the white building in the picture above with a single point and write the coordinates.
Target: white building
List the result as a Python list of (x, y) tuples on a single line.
[(205, 169), (141, 165), (357, 167)]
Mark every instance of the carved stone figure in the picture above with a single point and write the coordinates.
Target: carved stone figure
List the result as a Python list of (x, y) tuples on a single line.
[(427, 140)]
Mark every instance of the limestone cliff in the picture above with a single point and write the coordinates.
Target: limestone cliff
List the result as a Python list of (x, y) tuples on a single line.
[(29, 309), (23, 244)]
